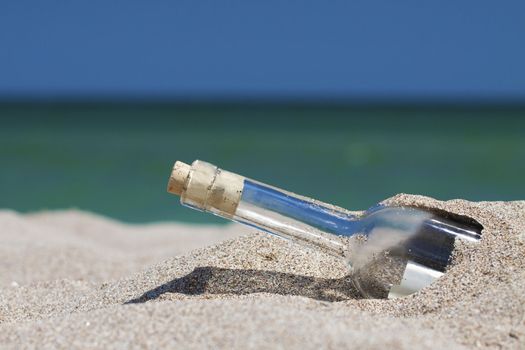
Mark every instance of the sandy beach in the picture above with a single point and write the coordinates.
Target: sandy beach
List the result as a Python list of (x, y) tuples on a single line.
[(71, 279)]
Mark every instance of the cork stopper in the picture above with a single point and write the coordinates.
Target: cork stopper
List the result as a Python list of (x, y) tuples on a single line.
[(178, 177)]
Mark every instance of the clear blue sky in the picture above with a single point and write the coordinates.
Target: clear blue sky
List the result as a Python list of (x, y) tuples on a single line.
[(177, 48)]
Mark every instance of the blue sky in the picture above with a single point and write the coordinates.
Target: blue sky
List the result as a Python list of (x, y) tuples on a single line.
[(235, 49)]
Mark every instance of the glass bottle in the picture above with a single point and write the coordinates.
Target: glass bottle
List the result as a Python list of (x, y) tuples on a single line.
[(390, 251)]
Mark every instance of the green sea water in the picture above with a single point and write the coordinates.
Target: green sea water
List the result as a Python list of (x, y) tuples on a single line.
[(115, 158)]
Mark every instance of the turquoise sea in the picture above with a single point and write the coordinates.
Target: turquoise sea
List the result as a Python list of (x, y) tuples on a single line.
[(115, 158)]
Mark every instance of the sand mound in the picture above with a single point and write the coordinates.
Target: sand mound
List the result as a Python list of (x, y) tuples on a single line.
[(258, 291), (83, 246)]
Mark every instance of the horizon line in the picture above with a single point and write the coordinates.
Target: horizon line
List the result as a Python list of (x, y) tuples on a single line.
[(262, 100)]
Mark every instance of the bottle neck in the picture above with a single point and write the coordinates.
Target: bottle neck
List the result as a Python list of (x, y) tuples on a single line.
[(293, 217), (278, 212)]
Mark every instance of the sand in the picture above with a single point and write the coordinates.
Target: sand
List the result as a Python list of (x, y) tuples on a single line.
[(76, 280), (83, 246)]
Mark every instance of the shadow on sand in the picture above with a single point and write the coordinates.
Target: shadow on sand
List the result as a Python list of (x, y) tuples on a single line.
[(213, 280)]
